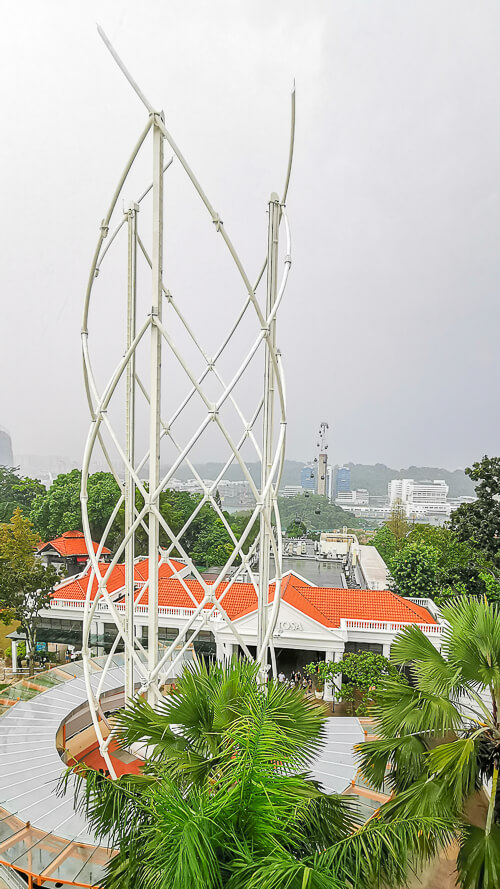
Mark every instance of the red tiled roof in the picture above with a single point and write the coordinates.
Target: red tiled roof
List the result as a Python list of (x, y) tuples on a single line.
[(238, 601), (329, 605), (71, 543), (75, 588), (326, 605)]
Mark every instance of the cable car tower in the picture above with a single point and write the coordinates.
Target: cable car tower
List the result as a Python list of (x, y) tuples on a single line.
[(322, 447), (211, 400)]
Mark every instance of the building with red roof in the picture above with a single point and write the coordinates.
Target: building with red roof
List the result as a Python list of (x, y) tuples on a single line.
[(69, 552), (313, 622)]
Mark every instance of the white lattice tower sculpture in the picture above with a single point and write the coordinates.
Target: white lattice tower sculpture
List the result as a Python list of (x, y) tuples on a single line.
[(146, 670)]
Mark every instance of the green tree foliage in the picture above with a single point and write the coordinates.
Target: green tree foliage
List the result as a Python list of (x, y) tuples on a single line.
[(386, 543), (59, 510), (205, 539), (438, 737), (25, 583), (296, 529), (478, 523), (224, 800), (461, 569), (362, 673), (414, 571), (17, 492), (329, 517)]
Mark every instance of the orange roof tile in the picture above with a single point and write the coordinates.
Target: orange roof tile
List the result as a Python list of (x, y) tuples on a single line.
[(71, 543), (75, 588), (326, 605)]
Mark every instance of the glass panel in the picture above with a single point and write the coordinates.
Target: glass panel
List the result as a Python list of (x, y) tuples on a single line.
[(34, 850), (93, 871), (8, 827), (74, 858)]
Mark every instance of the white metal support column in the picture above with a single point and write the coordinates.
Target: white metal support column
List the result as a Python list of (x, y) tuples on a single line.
[(268, 426), (130, 447), (155, 396)]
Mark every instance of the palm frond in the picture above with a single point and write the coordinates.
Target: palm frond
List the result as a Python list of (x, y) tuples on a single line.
[(277, 725), (422, 799), (379, 853), (456, 764), (115, 810), (431, 670), (397, 761), (472, 640), (402, 709), (478, 860), (182, 847), (279, 870), (325, 819)]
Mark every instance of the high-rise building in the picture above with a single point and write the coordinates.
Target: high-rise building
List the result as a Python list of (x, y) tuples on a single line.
[(420, 499), (342, 480), (308, 477), (321, 487), (6, 455), (417, 493)]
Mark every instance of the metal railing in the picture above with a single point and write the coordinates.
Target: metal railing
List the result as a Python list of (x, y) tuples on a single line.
[(388, 626)]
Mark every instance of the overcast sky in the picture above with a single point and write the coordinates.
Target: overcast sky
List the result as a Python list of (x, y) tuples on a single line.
[(389, 327)]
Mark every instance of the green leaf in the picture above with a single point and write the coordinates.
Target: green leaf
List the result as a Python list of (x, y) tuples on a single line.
[(479, 859)]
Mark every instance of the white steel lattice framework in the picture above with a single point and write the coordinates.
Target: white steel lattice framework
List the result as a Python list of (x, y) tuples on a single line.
[(147, 670)]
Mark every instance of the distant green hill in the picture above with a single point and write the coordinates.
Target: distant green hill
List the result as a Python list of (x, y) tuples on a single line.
[(316, 513), (372, 477)]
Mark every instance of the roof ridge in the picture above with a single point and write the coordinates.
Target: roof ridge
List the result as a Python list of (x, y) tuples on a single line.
[(323, 617), (412, 606)]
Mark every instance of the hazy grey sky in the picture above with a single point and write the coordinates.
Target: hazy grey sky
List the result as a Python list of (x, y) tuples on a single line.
[(389, 329)]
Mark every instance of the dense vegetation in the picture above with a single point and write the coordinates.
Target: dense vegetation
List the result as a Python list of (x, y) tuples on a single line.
[(316, 513), (57, 510), (361, 673), (439, 736), (440, 563), (226, 801), (25, 583)]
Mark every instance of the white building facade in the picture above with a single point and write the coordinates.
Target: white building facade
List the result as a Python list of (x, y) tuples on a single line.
[(314, 623), (420, 499)]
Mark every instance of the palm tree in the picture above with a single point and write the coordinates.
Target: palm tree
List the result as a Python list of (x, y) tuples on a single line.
[(224, 800), (439, 737)]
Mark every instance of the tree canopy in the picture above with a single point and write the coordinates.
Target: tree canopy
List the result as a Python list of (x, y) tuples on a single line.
[(316, 513), (225, 800), (414, 570), (17, 492), (439, 736), (478, 523), (361, 672), (437, 562), (25, 583), (206, 539)]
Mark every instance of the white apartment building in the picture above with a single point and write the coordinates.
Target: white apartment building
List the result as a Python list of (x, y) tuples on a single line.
[(420, 499), (347, 499)]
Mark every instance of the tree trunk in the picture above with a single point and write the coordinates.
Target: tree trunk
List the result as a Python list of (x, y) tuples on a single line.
[(491, 807), (31, 642)]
